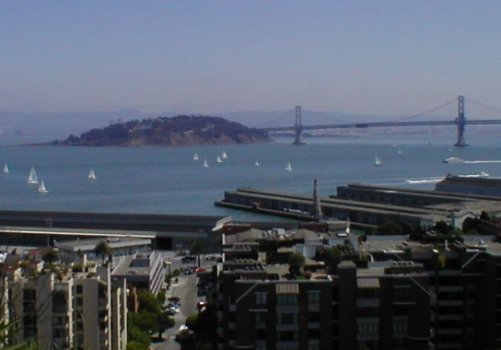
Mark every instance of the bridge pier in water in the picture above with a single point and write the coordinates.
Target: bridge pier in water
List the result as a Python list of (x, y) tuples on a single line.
[(298, 128), (460, 122)]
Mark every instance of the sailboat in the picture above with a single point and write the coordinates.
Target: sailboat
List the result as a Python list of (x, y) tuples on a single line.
[(377, 161), (224, 155), (92, 175), (219, 160), (195, 156), (5, 169), (257, 163), (42, 188), (205, 165), (288, 167), (33, 178)]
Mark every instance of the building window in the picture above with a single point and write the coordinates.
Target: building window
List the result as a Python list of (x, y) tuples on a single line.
[(368, 328), (287, 336), (287, 299), (261, 298), (314, 296), (287, 318)]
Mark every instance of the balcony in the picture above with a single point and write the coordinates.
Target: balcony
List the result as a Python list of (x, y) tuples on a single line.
[(287, 327), (367, 302), (289, 309)]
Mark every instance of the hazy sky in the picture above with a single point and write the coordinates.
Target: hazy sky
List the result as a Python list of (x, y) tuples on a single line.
[(383, 57)]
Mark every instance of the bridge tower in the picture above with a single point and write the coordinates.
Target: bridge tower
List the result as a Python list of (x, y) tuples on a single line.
[(298, 128), (460, 122)]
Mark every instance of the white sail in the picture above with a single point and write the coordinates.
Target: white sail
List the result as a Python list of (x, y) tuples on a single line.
[(195, 156), (224, 155), (257, 163), (205, 165), (219, 160), (377, 161), (92, 175), (33, 178), (5, 169), (42, 188), (288, 167)]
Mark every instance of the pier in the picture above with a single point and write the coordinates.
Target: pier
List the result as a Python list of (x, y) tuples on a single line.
[(41, 227), (375, 206)]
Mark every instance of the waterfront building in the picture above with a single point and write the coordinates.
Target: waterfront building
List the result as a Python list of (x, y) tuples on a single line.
[(472, 186)]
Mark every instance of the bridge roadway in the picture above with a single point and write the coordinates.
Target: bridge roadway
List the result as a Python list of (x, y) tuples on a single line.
[(42, 226), (385, 124)]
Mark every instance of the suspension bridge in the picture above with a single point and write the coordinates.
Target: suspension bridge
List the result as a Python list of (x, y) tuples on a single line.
[(460, 122)]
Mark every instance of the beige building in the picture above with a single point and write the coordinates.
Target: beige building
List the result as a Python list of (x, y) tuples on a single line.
[(62, 310)]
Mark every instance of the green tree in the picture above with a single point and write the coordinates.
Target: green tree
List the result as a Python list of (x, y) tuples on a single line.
[(51, 256), (333, 257), (149, 302), (164, 322), (196, 249), (296, 263), (102, 249), (442, 227), (136, 345)]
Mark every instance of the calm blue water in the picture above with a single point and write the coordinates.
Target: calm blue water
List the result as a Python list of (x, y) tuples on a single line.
[(167, 180)]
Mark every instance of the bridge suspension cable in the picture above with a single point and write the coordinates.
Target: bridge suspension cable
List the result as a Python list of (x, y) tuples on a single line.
[(431, 110), (323, 116), (484, 105), (282, 115)]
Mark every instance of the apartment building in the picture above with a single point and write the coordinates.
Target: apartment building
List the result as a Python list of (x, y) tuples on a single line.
[(143, 270), (63, 310), (395, 294)]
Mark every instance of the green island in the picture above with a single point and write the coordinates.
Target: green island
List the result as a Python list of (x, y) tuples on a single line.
[(180, 130)]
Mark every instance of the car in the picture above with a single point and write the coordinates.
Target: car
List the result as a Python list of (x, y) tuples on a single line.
[(188, 259), (184, 334), (174, 299)]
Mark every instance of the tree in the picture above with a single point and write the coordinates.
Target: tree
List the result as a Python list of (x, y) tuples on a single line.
[(164, 322), (442, 227), (149, 302), (333, 257), (51, 256), (196, 249), (296, 263), (102, 249)]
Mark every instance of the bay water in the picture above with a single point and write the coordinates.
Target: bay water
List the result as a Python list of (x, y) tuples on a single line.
[(166, 180)]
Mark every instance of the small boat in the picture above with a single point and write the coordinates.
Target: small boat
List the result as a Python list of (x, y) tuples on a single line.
[(399, 151), (288, 167), (5, 169), (377, 161), (219, 160), (205, 164), (224, 155), (33, 178), (257, 163), (92, 175), (452, 160), (42, 188), (195, 156)]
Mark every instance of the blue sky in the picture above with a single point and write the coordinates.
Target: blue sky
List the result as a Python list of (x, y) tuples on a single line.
[(373, 57)]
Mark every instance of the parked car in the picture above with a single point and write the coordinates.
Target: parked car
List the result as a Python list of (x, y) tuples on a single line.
[(188, 259), (184, 334)]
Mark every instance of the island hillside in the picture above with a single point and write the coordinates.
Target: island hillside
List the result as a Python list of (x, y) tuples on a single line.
[(175, 131)]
